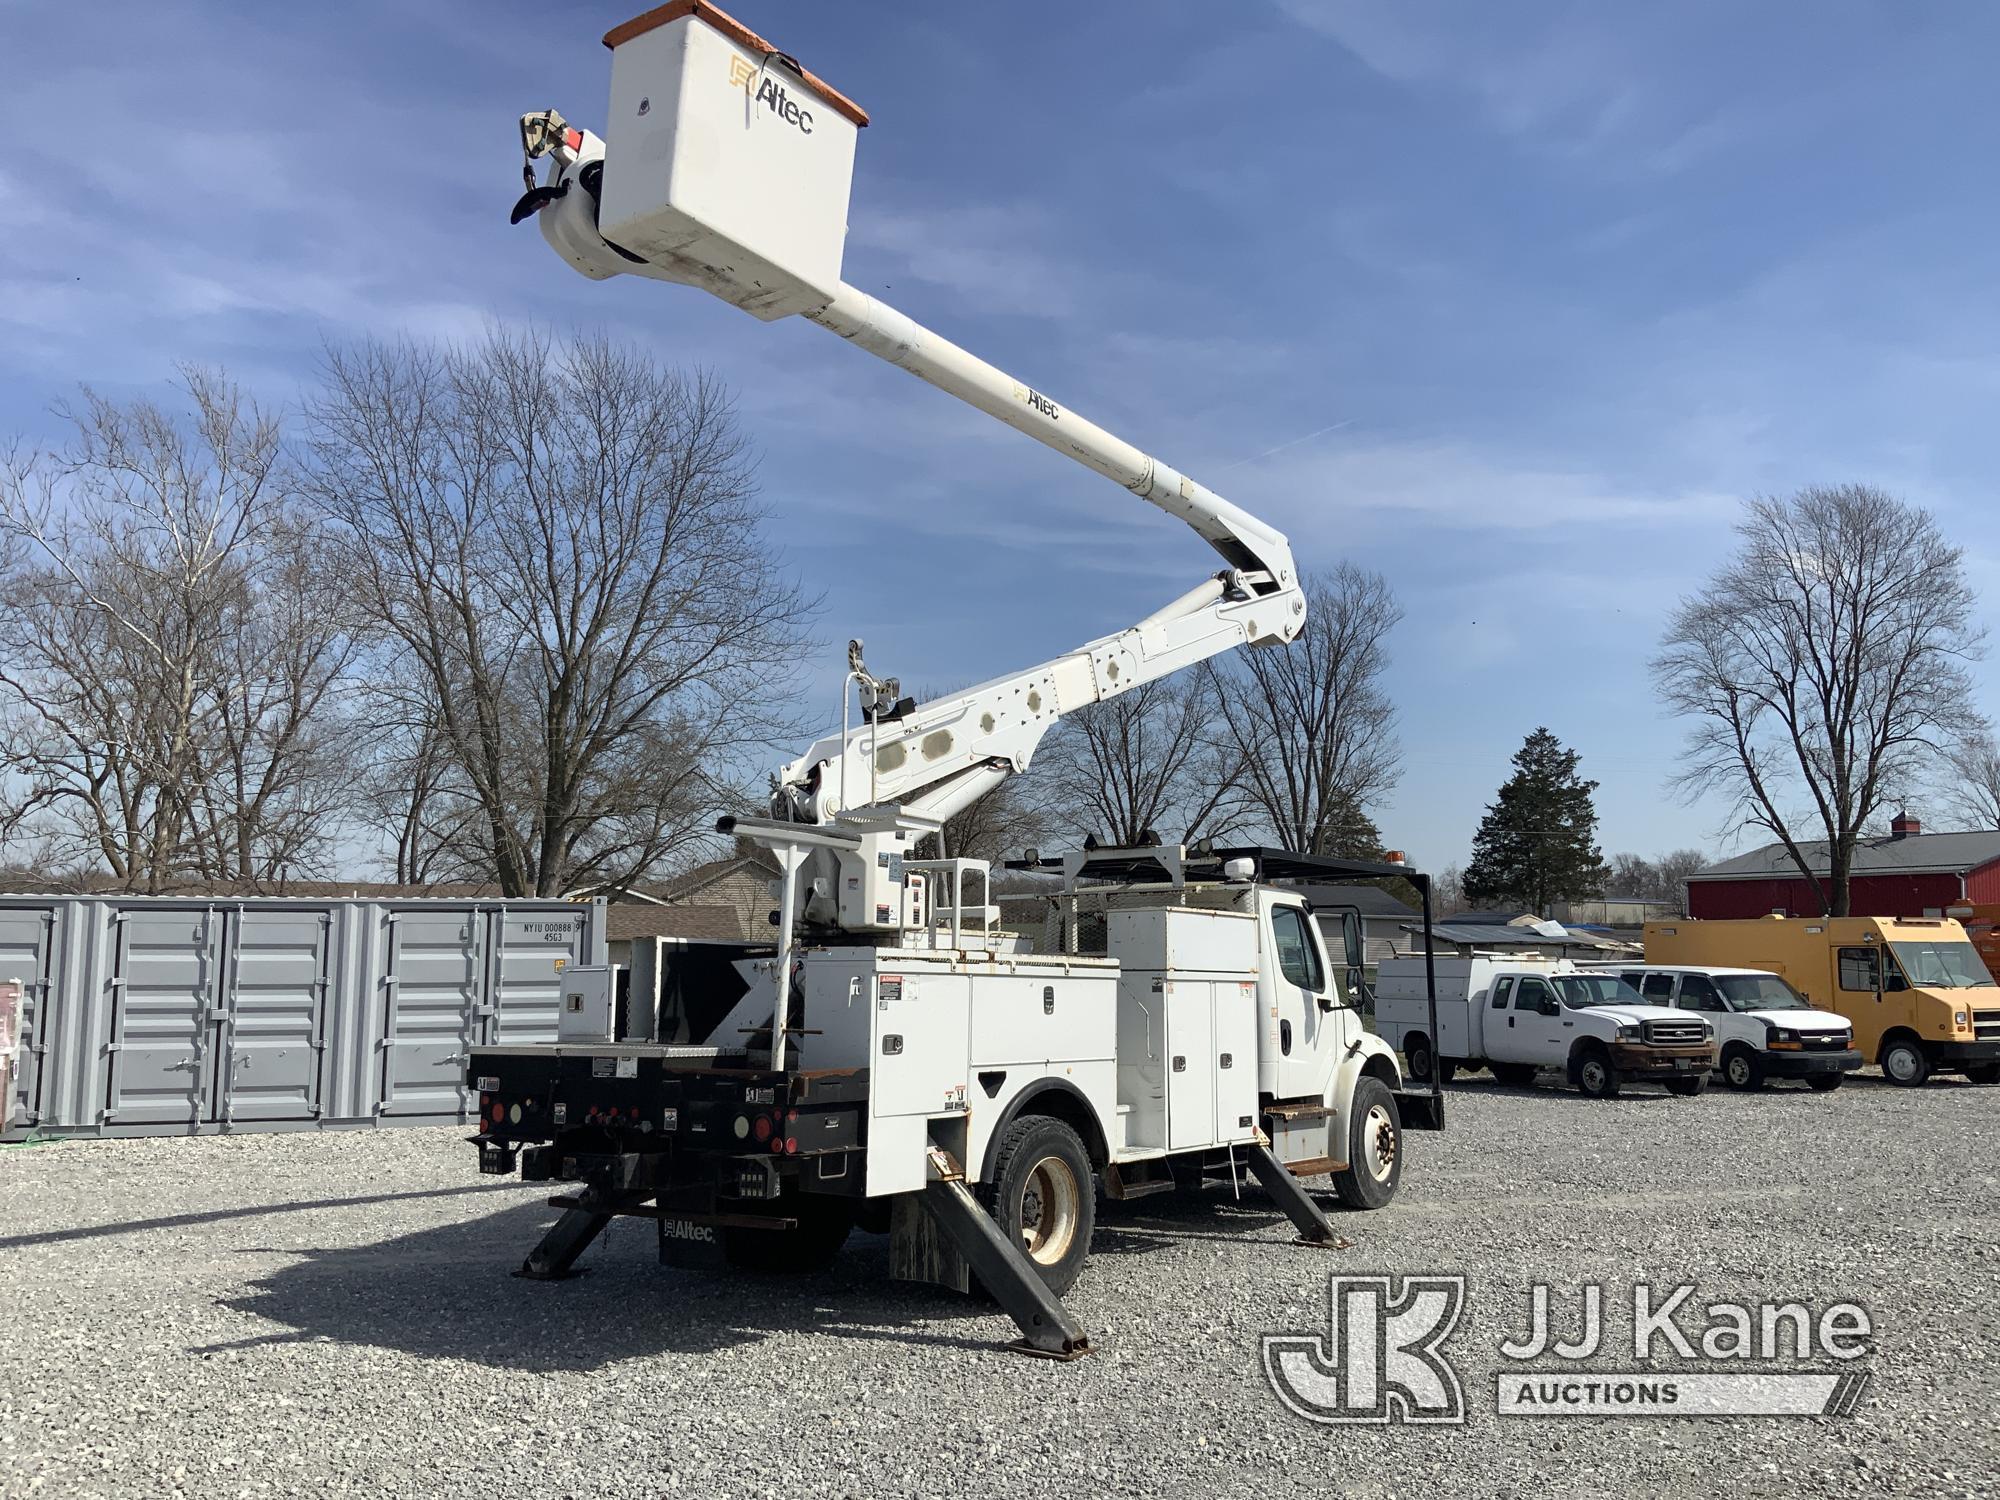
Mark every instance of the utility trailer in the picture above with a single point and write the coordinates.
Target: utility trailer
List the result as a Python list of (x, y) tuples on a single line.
[(899, 1060), (971, 1091)]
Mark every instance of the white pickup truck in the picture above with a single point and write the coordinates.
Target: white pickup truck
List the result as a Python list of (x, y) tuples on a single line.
[(1518, 1015)]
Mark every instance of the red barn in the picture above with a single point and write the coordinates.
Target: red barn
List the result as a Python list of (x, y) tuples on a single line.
[(1908, 874)]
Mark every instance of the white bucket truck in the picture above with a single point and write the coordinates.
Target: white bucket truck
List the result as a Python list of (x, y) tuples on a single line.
[(1518, 1014), (894, 1059)]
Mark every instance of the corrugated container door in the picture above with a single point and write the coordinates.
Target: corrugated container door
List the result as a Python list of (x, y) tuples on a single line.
[(530, 952), (24, 956), (435, 967), (277, 997), (163, 1047)]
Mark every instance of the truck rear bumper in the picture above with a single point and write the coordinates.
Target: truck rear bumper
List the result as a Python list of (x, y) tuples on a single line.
[(1803, 1064), (1639, 1060)]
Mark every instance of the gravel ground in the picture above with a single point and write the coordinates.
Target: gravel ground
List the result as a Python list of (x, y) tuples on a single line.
[(332, 1314)]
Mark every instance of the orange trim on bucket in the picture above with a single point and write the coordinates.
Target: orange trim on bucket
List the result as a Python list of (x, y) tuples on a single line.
[(738, 33)]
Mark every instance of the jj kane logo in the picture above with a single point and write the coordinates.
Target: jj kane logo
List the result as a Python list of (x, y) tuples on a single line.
[(1381, 1359), (767, 91)]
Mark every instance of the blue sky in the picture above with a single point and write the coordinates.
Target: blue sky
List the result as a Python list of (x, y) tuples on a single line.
[(1511, 303)]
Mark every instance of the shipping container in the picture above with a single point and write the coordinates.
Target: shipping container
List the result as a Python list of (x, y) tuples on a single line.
[(187, 1015)]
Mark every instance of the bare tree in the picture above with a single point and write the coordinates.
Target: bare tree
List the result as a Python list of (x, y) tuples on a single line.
[(1310, 725), (1672, 870), (1148, 762), (1824, 662), (1971, 784), (173, 649), (560, 544)]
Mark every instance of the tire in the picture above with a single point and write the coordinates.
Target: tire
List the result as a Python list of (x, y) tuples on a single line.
[(1903, 1062), (1824, 1083), (1514, 1075), (1043, 1195), (1986, 1072), (1687, 1088), (823, 1227), (1447, 1069), (1374, 1148), (1742, 1068), (1421, 1059), (1593, 1074)]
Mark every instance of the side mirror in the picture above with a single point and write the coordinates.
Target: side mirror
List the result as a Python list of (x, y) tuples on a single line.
[(1895, 982), (1550, 1007)]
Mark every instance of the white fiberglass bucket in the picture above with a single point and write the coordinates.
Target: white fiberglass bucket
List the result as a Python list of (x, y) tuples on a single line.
[(726, 160)]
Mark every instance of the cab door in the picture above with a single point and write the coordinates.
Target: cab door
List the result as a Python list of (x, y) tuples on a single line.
[(1543, 1028), (1302, 994)]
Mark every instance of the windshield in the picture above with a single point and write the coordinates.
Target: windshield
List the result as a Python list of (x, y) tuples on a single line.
[(1758, 992), (1945, 966), (1580, 990)]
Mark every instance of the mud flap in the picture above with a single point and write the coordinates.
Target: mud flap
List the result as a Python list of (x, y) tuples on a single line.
[(1420, 1109)]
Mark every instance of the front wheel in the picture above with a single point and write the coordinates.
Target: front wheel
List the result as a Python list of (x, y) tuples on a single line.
[(1687, 1088), (1903, 1062), (1742, 1068), (1594, 1075), (1374, 1147), (1044, 1197)]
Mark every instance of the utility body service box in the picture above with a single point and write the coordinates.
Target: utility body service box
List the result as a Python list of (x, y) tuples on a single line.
[(1187, 1025), (589, 1003), (725, 156)]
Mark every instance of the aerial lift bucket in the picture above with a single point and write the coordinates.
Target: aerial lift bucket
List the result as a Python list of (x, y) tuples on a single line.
[(726, 161)]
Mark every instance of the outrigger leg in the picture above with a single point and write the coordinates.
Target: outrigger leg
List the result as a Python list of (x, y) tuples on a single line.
[(1307, 1217), (1003, 1268)]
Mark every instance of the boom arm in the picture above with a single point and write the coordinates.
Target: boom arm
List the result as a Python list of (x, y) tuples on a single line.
[(938, 757)]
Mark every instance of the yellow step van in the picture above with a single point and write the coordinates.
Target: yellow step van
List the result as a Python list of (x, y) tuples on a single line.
[(1919, 998)]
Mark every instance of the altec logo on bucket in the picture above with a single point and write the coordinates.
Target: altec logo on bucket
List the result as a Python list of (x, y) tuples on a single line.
[(770, 93)]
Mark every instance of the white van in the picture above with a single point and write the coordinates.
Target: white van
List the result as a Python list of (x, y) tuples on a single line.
[(1765, 1028)]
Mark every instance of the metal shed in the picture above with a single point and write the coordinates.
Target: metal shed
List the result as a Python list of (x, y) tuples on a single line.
[(185, 1015)]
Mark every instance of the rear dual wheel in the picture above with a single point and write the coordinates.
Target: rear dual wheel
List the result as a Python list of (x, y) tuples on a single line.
[(1043, 1195)]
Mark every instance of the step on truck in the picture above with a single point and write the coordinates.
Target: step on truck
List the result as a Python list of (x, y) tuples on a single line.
[(896, 1058), (1520, 1014)]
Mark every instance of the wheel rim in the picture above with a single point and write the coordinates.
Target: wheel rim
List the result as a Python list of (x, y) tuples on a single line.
[(1593, 1074), (1049, 1204), (1739, 1070), (1378, 1135), (1420, 1062), (1901, 1063)]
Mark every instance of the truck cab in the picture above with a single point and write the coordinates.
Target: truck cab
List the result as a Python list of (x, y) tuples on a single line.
[(1764, 1028), (1913, 988)]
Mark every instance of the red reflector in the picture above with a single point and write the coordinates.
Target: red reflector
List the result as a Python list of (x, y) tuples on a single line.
[(761, 1128), (777, 1145), (634, 1111), (499, 1111), (573, 139), (791, 1145), (791, 1116)]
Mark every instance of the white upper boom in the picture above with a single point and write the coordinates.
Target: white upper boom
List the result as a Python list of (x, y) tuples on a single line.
[(727, 168)]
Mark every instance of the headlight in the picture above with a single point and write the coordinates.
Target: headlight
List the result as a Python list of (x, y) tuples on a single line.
[(1628, 1033), (1781, 1034), (1958, 1020)]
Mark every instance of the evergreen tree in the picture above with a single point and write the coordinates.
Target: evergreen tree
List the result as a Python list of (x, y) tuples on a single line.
[(1537, 843)]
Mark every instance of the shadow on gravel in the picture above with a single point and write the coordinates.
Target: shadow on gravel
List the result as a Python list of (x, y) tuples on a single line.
[(448, 1293), (254, 1211)]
